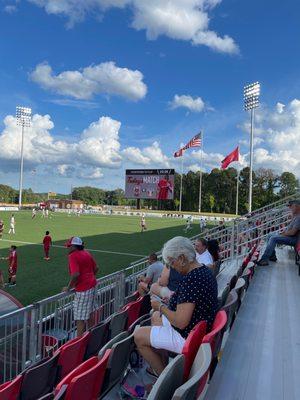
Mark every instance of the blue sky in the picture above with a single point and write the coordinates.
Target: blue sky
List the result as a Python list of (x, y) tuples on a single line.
[(204, 49)]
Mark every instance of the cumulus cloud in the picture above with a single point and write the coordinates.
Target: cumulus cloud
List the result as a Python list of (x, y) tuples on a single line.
[(186, 101), (97, 147), (148, 156), (177, 19), (279, 131), (104, 78)]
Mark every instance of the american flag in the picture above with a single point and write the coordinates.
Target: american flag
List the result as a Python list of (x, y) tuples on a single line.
[(195, 142), (179, 153)]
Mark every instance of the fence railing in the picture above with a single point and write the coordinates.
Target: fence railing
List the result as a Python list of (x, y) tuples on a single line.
[(24, 334)]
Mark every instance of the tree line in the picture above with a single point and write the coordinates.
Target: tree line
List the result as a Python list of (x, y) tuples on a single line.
[(218, 192)]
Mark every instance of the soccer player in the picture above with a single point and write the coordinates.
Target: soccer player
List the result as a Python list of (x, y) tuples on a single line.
[(188, 224), (1, 228), (33, 215), (2, 284), (47, 213), (164, 186), (12, 266), (143, 224), (47, 242), (12, 224), (43, 213)]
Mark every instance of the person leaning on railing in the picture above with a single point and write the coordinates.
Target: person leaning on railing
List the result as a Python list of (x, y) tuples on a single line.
[(82, 269), (288, 237), (195, 300), (153, 273)]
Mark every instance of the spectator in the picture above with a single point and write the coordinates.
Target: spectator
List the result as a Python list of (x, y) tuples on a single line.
[(153, 273), (196, 299), (82, 269), (167, 283), (214, 249), (203, 256), (288, 237)]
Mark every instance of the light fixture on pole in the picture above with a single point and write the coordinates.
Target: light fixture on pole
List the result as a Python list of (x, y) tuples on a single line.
[(23, 116), (251, 101)]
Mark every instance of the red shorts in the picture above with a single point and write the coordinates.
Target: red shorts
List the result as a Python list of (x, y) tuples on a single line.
[(12, 272)]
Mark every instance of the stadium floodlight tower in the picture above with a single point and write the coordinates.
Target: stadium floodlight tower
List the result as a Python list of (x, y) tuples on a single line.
[(23, 116), (251, 101)]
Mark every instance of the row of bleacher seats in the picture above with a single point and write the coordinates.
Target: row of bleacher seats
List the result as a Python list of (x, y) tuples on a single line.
[(90, 366)]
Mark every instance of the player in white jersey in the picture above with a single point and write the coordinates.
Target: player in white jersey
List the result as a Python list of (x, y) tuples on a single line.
[(188, 224), (43, 213), (47, 213), (33, 214), (202, 224), (143, 224), (12, 224)]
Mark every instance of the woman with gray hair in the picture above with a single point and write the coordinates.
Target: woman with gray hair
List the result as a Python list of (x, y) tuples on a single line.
[(195, 300)]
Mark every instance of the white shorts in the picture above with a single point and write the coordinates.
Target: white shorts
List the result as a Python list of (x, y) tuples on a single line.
[(166, 337)]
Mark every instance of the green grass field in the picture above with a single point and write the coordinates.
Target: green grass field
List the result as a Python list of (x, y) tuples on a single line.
[(106, 235)]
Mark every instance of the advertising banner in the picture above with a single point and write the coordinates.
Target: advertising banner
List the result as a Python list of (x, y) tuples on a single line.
[(149, 184)]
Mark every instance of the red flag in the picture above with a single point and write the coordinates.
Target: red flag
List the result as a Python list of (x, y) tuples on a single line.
[(178, 153), (233, 156)]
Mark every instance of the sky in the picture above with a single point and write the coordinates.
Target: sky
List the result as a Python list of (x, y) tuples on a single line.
[(116, 84)]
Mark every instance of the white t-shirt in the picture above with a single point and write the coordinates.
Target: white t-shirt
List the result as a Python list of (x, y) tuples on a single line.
[(204, 258)]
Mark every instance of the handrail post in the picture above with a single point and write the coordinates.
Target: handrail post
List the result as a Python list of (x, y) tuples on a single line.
[(33, 337), (119, 291)]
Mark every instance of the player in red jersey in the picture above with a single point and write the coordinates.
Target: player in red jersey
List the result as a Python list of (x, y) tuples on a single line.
[(12, 266), (164, 186), (1, 228), (47, 242)]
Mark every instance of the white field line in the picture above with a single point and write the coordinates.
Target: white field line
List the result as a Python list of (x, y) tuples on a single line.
[(63, 247)]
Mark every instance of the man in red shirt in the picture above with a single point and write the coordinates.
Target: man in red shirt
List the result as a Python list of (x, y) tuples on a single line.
[(47, 242), (82, 269), (164, 186)]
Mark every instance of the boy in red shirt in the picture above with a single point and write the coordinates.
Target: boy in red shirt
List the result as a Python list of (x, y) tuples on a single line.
[(12, 266), (47, 242)]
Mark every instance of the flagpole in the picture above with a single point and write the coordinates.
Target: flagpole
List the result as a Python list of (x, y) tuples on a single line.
[(237, 192), (200, 178), (180, 196)]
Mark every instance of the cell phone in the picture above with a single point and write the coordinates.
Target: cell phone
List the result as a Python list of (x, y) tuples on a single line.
[(156, 298)]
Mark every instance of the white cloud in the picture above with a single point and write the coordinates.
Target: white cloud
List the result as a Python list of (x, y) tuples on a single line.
[(90, 174), (105, 78), (177, 19), (186, 101), (98, 146), (10, 9), (150, 155), (279, 130)]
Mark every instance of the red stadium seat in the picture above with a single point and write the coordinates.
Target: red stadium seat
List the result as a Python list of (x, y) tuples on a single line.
[(85, 381), (133, 311), (71, 354), (191, 346), (11, 390), (215, 336)]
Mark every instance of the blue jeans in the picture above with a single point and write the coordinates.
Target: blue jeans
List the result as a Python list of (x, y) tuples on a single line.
[(275, 239)]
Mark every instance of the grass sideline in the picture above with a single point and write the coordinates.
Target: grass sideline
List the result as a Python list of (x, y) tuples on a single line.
[(107, 235)]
